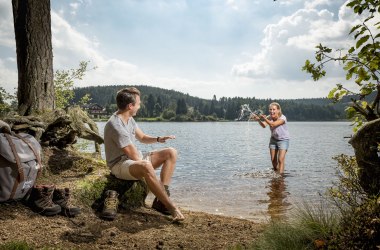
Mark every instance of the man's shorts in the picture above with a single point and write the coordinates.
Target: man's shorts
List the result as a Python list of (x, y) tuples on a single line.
[(278, 144), (121, 169)]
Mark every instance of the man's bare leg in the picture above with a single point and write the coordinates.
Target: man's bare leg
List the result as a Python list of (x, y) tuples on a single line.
[(144, 169), (166, 157)]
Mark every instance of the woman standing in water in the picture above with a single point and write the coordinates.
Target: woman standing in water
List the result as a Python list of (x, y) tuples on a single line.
[(279, 140)]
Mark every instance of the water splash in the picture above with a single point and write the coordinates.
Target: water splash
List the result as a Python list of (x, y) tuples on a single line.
[(246, 112), (267, 173)]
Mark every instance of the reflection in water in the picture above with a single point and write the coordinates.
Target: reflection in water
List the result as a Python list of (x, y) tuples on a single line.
[(278, 204)]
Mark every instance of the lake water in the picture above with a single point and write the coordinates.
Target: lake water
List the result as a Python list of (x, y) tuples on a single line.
[(224, 167)]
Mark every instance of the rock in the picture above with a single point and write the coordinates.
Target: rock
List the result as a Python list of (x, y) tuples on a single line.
[(132, 194)]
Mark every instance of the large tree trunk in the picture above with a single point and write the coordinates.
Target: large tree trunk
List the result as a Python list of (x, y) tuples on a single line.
[(32, 23), (365, 143)]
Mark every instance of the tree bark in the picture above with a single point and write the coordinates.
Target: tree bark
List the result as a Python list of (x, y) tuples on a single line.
[(32, 24), (366, 143)]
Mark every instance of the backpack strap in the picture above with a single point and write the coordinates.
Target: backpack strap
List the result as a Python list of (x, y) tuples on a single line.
[(34, 152), (20, 176)]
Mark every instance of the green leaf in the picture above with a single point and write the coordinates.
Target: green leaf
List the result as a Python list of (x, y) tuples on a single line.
[(348, 65), (332, 93), (351, 4), (362, 40), (364, 104), (350, 112), (354, 28)]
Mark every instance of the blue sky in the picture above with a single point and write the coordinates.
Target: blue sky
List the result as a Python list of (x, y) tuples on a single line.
[(247, 48)]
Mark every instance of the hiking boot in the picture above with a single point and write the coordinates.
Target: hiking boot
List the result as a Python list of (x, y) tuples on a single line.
[(40, 201), (110, 205), (159, 206), (61, 197)]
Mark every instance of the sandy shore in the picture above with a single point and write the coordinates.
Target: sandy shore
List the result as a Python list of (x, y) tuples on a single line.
[(142, 228)]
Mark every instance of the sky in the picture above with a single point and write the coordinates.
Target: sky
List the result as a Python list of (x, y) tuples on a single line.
[(226, 48)]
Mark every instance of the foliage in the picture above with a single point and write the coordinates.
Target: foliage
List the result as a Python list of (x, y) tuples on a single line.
[(361, 62), (354, 224), (168, 114), (16, 245), (360, 214), (64, 85), (7, 102), (168, 103), (310, 228), (181, 107), (347, 192)]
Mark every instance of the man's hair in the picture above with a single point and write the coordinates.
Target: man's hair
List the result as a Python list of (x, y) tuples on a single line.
[(126, 96)]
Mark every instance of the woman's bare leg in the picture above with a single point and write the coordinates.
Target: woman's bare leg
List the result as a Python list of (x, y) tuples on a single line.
[(273, 157)]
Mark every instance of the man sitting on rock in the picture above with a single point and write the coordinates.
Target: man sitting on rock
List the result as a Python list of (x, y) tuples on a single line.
[(127, 163)]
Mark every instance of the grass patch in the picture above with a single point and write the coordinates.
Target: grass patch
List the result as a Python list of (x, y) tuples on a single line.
[(16, 245), (310, 228)]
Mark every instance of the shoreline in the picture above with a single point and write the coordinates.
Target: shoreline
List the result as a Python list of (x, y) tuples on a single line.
[(142, 228)]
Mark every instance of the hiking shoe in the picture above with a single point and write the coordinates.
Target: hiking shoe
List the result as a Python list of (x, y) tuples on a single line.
[(110, 205), (40, 201), (61, 197), (159, 206)]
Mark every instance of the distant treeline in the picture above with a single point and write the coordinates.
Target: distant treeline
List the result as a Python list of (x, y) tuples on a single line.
[(165, 104)]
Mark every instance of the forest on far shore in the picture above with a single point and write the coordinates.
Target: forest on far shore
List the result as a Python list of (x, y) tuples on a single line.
[(164, 104)]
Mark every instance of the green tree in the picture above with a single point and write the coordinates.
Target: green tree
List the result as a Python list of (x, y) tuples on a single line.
[(361, 63), (181, 107), (150, 105), (6, 101), (85, 99), (168, 114), (158, 106), (64, 85)]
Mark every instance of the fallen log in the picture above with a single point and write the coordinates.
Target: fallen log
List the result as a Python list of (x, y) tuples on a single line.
[(58, 128)]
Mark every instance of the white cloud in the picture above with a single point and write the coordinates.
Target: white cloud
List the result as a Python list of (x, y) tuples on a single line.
[(74, 7), (312, 4), (6, 25), (292, 40), (192, 55), (71, 47), (8, 78)]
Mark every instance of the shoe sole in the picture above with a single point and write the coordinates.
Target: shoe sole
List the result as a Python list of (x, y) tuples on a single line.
[(161, 211), (107, 218)]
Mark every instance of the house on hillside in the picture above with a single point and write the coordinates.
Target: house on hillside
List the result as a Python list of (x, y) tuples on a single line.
[(94, 110)]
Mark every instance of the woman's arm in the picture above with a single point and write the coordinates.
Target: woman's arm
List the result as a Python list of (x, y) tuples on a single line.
[(272, 124), (258, 119)]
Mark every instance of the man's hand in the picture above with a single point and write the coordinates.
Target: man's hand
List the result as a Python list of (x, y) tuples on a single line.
[(164, 138)]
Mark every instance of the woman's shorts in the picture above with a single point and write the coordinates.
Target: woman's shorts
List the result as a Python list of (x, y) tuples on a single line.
[(278, 144), (121, 169)]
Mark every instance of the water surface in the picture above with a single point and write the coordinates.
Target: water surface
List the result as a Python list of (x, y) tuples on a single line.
[(224, 167)]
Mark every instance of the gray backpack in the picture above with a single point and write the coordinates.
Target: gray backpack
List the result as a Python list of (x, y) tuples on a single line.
[(20, 164)]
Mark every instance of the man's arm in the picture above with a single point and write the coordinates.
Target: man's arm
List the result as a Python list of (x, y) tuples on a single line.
[(147, 139), (132, 152)]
